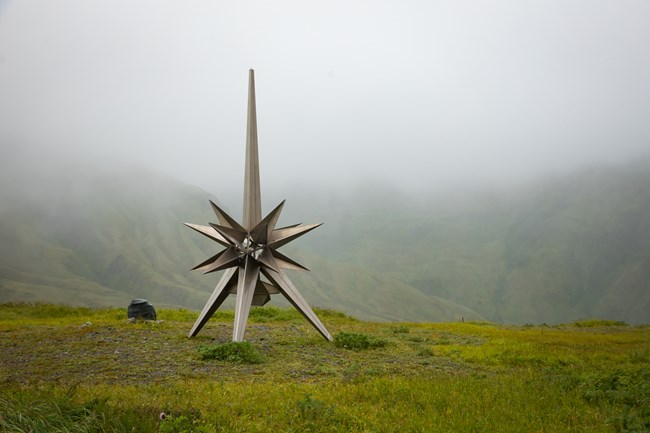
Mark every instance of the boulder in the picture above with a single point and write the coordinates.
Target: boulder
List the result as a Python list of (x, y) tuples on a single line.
[(141, 309)]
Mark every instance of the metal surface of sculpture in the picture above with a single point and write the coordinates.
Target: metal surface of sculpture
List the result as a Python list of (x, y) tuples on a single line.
[(251, 249)]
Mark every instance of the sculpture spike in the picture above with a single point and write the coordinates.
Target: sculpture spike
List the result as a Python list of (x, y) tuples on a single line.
[(209, 232), (234, 236), (228, 258), (252, 193), (249, 273), (225, 219), (266, 258), (208, 261), (284, 236), (290, 292), (262, 231), (287, 263), (218, 296)]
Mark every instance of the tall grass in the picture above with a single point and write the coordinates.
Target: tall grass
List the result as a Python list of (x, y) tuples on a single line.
[(43, 412), (464, 403)]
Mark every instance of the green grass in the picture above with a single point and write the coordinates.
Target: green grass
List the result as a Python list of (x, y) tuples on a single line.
[(85, 370), (357, 341), (236, 352)]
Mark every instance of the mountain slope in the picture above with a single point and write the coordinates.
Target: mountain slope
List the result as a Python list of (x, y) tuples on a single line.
[(566, 249), (105, 237), (562, 250)]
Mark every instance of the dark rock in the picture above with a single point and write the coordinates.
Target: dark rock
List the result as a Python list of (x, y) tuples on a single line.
[(141, 309)]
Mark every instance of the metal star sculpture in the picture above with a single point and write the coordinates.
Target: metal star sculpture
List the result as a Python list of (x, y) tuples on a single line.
[(251, 249)]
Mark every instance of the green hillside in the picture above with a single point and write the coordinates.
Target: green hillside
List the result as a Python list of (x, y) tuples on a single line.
[(99, 239), (104, 238), (565, 249)]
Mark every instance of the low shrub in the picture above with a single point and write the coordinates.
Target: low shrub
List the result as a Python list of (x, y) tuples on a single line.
[(402, 329), (596, 323)]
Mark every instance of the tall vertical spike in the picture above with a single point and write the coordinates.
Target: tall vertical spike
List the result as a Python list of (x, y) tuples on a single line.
[(252, 195)]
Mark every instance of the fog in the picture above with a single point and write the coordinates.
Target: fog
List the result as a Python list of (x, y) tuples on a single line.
[(413, 93)]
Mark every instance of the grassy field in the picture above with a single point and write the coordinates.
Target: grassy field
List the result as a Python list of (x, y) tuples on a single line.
[(90, 370)]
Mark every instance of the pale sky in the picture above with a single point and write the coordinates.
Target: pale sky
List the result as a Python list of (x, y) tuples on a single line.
[(411, 92)]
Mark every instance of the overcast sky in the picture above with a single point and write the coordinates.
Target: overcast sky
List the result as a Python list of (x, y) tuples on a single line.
[(415, 92)]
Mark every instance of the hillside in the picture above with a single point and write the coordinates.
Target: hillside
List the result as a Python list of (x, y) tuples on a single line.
[(105, 237), (565, 249), (83, 370)]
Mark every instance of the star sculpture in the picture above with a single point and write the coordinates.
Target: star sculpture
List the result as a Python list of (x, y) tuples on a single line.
[(251, 249)]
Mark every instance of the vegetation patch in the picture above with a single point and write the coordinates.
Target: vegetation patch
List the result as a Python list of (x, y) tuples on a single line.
[(401, 329), (44, 412), (595, 323), (356, 341), (310, 408), (236, 352), (425, 351)]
